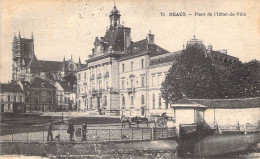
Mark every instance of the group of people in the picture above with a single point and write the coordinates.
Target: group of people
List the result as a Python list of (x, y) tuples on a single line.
[(70, 131)]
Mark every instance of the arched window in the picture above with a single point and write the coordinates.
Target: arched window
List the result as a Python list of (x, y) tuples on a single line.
[(123, 101), (142, 99), (132, 100)]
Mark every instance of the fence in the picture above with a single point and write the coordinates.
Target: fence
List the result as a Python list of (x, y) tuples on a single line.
[(240, 128), (96, 135)]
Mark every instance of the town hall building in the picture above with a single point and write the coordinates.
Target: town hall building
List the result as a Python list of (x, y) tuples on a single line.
[(122, 77)]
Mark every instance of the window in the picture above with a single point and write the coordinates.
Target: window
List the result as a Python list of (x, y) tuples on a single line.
[(160, 101), (100, 85), (132, 83), (79, 76), (85, 75), (159, 80), (105, 101), (166, 104), (153, 80), (123, 84), (9, 107), (132, 66), (91, 102), (123, 67), (142, 62), (2, 98), (153, 101), (21, 98), (8, 98), (132, 100), (86, 104), (107, 84), (14, 98), (79, 90), (123, 101), (142, 99), (65, 99), (142, 78)]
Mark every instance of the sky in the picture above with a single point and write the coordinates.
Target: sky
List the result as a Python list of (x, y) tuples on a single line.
[(69, 27)]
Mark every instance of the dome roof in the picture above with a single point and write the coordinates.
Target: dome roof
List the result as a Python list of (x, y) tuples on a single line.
[(194, 41)]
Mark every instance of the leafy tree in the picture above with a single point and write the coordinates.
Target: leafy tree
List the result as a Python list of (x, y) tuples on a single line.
[(191, 75)]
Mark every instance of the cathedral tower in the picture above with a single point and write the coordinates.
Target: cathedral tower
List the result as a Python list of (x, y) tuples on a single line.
[(22, 53)]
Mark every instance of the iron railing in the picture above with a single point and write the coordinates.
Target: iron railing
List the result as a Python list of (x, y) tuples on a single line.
[(95, 135)]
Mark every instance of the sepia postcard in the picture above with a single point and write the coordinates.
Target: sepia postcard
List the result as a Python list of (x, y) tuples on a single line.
[(130, 79)]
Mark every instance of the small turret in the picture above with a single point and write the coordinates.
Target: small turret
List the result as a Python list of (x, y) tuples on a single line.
[(19, 35), (79, 61)]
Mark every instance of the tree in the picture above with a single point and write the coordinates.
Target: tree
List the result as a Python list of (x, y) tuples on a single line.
[(191, 75)]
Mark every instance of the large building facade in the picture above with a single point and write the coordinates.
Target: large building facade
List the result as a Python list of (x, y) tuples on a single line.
[(123, 77)]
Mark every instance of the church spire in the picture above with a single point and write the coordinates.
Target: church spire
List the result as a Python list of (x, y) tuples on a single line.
[(19, 35), (64, 59), (79, 60)]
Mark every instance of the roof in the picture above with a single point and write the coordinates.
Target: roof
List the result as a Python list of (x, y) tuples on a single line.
[(10, 87), (38, 83), (142, 46), (229, 103), (164, 58), (115, 38), (50, 66), (65, 87), (180, 106), (34, 63)]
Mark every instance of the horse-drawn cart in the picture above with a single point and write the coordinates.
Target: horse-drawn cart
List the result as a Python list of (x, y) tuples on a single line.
[(158, 120)]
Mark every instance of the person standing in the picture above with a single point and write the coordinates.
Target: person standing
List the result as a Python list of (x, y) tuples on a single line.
[(50, 135), (84, 132), (71, 131)]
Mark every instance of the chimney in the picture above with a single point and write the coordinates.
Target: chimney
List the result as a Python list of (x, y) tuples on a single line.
[(102, 39), (150, 38), (210, 48), (224, 51)]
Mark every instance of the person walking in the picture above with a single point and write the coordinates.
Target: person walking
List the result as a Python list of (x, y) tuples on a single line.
[(50, 135), (84, 132), (71, 131)]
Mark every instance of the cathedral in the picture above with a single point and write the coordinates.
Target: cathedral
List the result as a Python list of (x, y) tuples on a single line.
[(47, 85), (26, 65)]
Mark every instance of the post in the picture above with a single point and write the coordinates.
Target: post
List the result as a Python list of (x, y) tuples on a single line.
[(162, 132), (142, 134), (109, 135), (153, 133), (132, 134), (121, 135), (43, 136), (96, 134)]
